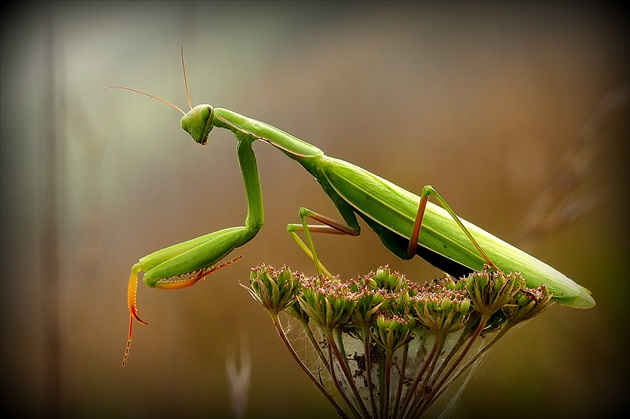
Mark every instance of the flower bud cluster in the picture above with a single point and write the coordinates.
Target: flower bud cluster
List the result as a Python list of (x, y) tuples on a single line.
[(528, 303), (275, 289), (441, 306), (393, 332), (490, 290), (329, 303), (443, 311), (356, 328)]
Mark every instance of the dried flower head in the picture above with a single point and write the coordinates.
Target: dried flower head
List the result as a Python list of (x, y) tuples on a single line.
[(387, 344), (393, 332), (329, 303), (368, 302), (274, 289), (442, 311), (527, 303), (489, 290)]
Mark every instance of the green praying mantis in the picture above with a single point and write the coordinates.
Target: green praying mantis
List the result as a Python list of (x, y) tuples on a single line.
[(407, 224)]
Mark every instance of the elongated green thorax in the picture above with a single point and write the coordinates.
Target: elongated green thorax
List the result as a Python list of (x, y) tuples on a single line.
[(257, 130)]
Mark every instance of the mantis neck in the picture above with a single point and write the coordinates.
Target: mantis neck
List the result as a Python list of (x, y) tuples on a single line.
[(256, 130)]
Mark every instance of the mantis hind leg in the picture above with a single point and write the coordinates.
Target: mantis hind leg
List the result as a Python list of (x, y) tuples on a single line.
[(415, 234), (328, 226)]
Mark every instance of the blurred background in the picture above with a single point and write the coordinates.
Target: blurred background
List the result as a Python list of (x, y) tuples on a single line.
[(517, 113)]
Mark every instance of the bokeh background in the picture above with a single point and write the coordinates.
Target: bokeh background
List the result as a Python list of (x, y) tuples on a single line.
[(516, 112)]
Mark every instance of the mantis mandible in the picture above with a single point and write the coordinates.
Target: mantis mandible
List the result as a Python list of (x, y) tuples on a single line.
[(407, 224)]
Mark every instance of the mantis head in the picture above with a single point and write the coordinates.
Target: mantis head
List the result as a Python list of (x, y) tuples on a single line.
[(198, 122)]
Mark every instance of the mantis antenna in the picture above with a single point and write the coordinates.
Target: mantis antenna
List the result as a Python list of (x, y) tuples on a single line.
[(149, 95), (181, 49), (158, 98)]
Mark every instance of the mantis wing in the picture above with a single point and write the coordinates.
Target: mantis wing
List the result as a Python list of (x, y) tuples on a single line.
[(391, 211)]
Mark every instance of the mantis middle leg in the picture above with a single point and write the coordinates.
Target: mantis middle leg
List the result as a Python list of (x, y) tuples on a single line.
[(331, 226), (328, 226)]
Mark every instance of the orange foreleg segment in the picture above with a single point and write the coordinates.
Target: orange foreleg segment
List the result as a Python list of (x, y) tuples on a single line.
[(176, 282)]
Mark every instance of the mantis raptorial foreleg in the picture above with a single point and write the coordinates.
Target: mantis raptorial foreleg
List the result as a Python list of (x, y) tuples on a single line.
[(183, 264), (171, 283)]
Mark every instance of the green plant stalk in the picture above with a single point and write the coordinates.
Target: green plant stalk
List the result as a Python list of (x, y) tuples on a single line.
[(421, 407), (381, 379), (297, 359), (343, 358), (422, 394), (337, 384), (470, 362), (432, 374), (311, 337), (401, 378), (342, 349), (463, 338), (437, 345), (368, 367), (389, 356), (346, 372)]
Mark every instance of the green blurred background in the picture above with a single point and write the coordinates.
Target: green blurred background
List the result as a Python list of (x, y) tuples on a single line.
[(488, 102)]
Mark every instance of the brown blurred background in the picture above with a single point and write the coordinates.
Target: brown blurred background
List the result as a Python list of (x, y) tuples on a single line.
[(488, 102)]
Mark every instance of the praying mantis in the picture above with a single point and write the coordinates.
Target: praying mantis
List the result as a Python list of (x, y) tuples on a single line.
[(407, 224)]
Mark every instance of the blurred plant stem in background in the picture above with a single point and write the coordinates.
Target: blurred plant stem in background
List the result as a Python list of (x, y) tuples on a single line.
[(239, 378), (386, 347), (52, 165), (555, 206)]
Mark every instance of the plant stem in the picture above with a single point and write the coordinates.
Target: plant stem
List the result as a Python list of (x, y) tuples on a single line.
[(401, 378), (421, 396), (368, 368), (432, 375), (311, 337), (336, 381), (284, 339), (474, 359), (434, 351), (464, 336), (434, 390), (346, 372), (389, 355), (342, 348)]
